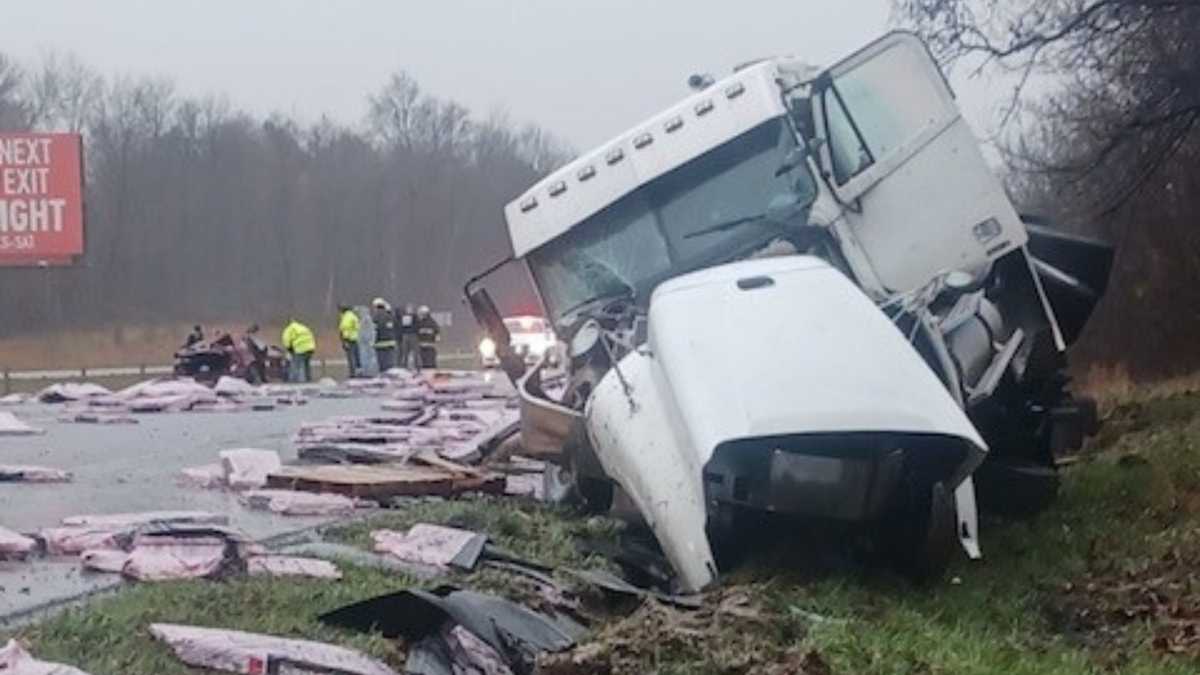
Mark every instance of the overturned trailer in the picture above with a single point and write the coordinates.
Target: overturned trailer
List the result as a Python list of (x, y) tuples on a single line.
[(802, 291)]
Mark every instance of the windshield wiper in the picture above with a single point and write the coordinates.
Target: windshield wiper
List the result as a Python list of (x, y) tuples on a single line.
[(727, 225), (625, 291)]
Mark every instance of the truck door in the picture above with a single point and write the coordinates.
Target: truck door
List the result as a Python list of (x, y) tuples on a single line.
[(917, 195)]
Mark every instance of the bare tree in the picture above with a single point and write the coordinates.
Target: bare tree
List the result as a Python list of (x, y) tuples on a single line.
[(15, 111), (1124, 78), (64, 92)]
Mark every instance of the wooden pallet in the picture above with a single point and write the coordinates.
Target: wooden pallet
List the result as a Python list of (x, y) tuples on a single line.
[(381, 481)]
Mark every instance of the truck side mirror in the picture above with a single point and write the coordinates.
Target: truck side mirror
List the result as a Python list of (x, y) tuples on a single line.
[(489, 318)]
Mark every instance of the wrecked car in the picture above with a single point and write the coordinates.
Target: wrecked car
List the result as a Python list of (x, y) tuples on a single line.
[(802, 291), (249, 359)]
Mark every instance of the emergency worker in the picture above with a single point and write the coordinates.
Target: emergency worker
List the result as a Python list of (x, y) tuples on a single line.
[(428, 333), (385, 334), (194, 338), (300, 344), (348, 329), (407, 327)]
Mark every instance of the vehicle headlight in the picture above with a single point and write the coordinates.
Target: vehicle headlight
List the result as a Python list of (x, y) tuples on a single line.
[(538, 345), (487, 348)]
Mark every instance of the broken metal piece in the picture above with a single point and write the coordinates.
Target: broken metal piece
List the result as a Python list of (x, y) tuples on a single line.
[(612, 583), (515, 632)]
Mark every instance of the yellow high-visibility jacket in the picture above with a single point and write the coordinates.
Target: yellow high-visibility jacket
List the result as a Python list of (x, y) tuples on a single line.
[(298, 338), (349, 326)]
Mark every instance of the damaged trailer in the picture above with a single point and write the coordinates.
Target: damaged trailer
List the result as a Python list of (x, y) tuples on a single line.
[(802, 291)]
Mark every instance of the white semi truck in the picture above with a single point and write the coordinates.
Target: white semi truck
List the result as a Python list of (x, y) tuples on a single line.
[(802, 291)]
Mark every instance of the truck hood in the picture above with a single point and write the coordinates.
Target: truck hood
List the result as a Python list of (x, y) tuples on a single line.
[(786, 345), (754, 349)]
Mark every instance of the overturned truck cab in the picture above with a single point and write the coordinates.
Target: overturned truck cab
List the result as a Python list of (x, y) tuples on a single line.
[(801, 291)]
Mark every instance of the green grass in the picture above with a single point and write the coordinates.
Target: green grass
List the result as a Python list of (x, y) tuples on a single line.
[(111, 635), (1132, 502)]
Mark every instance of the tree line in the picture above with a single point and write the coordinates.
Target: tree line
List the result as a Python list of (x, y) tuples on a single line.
[(197, 211), (1101, 131)]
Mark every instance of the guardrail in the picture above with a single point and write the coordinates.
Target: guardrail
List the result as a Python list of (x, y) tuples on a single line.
[(8, 377)]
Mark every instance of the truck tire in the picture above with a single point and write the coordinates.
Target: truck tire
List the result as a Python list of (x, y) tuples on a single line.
[(563, 484), (921, 539)]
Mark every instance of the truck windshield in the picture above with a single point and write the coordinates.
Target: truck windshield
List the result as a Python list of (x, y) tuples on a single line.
[(706, 212)]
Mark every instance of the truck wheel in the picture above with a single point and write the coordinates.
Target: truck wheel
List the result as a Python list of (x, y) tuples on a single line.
[(922, 538), (564, 484)]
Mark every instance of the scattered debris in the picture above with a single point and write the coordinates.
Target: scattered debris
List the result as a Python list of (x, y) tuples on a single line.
[(434, 545), (10, 473), (289, 503), (14, 545), (98, 418), (75, 539), (104, 560), (199, 552), (148, 518), (252, 654), (381, 482), (525, 485), (11, 426), (467, 649), (614, 584), (233, 387), (15, 660), (205, 476), (71, 391), (116, 531), (425, 618), (291, 566), (355, 453), (164, 558), (357, 556), (248, 467), (724, 631)]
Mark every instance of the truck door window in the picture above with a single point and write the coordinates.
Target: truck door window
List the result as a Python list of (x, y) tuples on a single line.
[(847, 150), (879, 105)]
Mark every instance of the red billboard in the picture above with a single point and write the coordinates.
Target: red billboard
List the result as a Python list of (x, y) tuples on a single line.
[(41, 198)]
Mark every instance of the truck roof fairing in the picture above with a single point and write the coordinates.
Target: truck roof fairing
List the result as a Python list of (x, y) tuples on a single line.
[(702, 121)]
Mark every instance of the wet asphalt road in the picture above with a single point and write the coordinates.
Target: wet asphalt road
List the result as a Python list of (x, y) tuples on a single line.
[(122, 468)]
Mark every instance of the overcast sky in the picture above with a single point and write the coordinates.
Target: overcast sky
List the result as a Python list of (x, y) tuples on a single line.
[(584, 69)]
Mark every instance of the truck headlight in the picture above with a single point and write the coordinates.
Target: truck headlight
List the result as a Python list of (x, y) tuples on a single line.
[(487, 348)]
